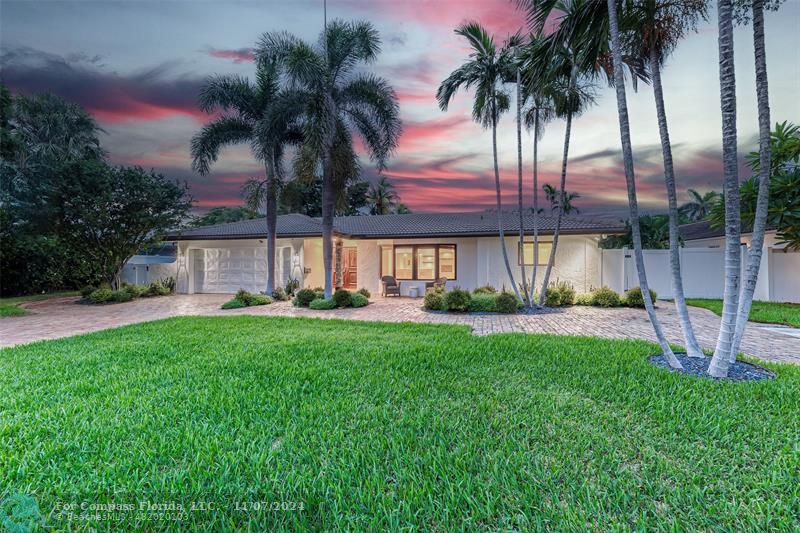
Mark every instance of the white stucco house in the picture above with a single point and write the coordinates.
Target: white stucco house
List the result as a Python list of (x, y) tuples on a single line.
[(415, 248)]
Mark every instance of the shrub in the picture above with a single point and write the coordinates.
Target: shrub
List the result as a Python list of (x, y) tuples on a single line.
[(506, 302), (364, 292), (457, 300), (605, 297), (486, 289), (135, 290), (120, 296), (304, 297), (483, 303), (321, 304), (156, 289), (342, 297), (633, 297), (279, 294), (566, 292), (291, 286), (234, 304), (583, 299), (100, 296), (244, 296), (434, 301), (169, 284), (87, 290), (260, 299), (552, 296), (359, 300)]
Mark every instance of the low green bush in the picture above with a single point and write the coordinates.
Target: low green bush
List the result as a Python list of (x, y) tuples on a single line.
[(260, 299), (434, 301), (552, 296), (279, 294), (605, 297), (633, 297), (234, 304), (483, 303), (100, 296), (156, 289), (134, 290), (322, 304), (87, 290), (342, 297), (486, 289), (566, 292), (358, 300), (120, 296), (364, 292), (506, 303), (304, 297), (457, 300), (168, 283), (244, 296), (583, 299)]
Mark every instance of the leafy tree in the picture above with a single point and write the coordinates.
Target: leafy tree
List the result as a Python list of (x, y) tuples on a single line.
[(111, 213), (222, 215), (305, 196), (484, 70), (381, 198), (654, 230), (245, 107), (402, 209), (331, 100), (699, 205)]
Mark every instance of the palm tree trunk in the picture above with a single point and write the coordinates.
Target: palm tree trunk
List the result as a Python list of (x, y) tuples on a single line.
[(630, 180), (733, 255), (563, 184), (327, 225), (521, 251), (765, 158), (535, 199), (499, 203), (272, 223), (692, 346)]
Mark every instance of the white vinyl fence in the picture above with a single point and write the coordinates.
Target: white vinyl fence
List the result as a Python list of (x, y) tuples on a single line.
[(145, 269), (703, 271)]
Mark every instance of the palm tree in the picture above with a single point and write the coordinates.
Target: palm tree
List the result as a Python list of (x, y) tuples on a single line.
[(484, 70), (627, 153), (657, 26), (330, 99), (699, 205), (245, 107), (765, 156), (733, 258), (381, 197)]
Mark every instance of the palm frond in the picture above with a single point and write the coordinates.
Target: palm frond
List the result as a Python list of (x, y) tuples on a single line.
[(224, 131), (229, 93)]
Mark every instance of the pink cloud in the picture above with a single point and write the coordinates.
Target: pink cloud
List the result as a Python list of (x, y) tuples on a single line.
[(240, 55)]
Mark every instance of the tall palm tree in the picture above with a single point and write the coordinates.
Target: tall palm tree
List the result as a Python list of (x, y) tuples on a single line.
[(733, 258), (627, 154), (245, 106), (332, 98), (656, 27), (381, 197), (765, 156), (484, 70), (699, 205)]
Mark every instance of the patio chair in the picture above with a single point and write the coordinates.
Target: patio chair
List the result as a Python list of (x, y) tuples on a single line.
[(390, 286), (435, 285)]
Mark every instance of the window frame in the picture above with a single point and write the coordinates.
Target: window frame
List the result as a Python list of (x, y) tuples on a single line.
[(521, 253), (414, 261)]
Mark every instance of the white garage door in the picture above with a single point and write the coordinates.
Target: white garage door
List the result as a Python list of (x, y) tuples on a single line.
[(226, 270)]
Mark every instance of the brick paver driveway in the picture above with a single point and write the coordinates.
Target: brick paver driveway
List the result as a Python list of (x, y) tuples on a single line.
[(63, 317)]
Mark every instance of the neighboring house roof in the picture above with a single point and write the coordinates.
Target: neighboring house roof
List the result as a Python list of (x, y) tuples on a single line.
[(400, 226), (703, 230)]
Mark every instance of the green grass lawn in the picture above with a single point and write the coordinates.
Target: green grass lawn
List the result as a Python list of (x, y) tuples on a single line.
[(372, 426), (8, 306), (771, 312)]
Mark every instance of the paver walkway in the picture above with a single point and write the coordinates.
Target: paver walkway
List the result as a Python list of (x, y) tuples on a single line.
[(63, 317)]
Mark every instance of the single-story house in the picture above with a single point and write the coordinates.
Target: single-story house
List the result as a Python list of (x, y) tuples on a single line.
[(414, 248), (701, 234)]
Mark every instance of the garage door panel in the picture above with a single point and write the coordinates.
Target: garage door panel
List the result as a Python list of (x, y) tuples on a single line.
[(226, 270)]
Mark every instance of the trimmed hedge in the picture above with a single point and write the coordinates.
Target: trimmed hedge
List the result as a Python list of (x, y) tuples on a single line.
[(483, 303), (457, 300), (605, 297), (434, 301), (321, 304), (342, 297), (506, 303), (244, 298), (358, 300), (633, 297), (304, 297)]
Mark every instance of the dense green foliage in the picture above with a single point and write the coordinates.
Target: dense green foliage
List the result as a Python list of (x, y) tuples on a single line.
[(633, 297), (323, 304), (434, 301), (387, 426), (358, 300), (605, 297), (483, 303), (243, 298), (304, 297), (655, 234), (342, 297), (223, 215), (770, 312), (506, 302), (457, 300)]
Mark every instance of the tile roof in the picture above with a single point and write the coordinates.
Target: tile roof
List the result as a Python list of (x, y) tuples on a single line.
[(399, 226), (699, 230)]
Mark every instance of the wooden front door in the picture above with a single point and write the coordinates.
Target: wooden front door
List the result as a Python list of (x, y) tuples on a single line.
[(350, 268)]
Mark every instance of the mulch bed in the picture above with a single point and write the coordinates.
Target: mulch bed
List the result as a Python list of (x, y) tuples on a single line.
[(696, 366)]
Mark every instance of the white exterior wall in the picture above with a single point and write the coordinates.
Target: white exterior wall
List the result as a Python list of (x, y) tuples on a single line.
[(145, 269)]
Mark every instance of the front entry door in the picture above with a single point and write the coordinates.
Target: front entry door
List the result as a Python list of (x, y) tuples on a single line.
[(350, 268)]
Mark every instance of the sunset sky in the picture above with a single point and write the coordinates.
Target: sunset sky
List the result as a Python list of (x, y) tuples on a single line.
[(137, 66)]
